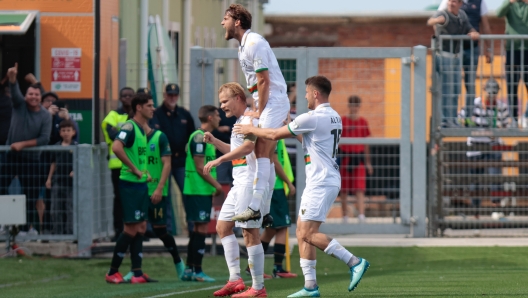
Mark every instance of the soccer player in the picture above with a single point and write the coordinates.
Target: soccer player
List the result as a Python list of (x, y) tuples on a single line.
[(130, 146), (159, 168), (319, 131), (240, 153), (266, 83), (198, 192), (280, 213)]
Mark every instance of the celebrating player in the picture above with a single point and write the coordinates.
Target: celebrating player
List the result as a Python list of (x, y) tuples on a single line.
[(320, 130), (266, 83), (240, 153), (131, 149)]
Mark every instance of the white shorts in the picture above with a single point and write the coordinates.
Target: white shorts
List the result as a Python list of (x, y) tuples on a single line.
[(237, 201), (274, 114), (316, 202)]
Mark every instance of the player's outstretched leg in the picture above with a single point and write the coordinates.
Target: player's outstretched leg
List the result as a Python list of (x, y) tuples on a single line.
[(252, 212)]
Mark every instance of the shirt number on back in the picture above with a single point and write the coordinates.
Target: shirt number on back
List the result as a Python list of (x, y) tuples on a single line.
[(337, 136)]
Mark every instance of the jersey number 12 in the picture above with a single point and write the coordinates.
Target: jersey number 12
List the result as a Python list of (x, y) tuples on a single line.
[(337, 136)]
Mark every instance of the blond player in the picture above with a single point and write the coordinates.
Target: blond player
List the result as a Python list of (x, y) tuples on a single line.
[(240, 153)]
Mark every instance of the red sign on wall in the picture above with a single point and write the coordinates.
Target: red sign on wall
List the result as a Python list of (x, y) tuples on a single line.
[(60, 75), (66, 69)]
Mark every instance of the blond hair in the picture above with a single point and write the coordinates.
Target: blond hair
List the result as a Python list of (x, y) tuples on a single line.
[(234, 89)]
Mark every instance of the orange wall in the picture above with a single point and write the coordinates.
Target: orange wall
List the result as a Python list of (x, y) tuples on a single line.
[(68, 32), (49, 5)]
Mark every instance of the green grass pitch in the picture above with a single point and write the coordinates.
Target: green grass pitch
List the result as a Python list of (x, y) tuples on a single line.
[(394, 272)]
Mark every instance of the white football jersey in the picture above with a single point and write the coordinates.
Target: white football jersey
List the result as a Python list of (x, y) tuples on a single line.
[(244, 168), (255, 55), (321, 131)]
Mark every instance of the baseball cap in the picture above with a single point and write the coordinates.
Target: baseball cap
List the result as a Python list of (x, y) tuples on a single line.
[(143, 91), (172, 89)]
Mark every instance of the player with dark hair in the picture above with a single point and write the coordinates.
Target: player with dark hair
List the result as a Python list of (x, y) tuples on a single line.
[(320, 130), (131, 149)]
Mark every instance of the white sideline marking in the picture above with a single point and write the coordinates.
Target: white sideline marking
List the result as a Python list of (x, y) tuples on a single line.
[(184, 292)]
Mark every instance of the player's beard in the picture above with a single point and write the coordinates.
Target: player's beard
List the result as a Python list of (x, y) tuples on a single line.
[(230, 33)]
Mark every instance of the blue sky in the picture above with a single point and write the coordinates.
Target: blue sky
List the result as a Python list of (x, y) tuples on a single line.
[(347, 6)]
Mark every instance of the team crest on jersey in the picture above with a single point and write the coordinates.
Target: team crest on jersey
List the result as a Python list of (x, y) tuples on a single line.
[(152, 147), (138, 215)]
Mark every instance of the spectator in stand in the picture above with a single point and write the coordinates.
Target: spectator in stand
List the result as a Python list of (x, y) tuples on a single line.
[(60, 181), (355, 159), (516, 16), (59, 112), (30, 127), (6, 108), (111, 126), (178, 124), (451, 21), (476, 11)]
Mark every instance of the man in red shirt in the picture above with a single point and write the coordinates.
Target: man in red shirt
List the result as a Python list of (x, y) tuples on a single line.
[(355, 159)]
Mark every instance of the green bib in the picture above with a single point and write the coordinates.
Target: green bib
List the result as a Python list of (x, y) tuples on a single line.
[(137, 155), (194, 183), (155, 165)]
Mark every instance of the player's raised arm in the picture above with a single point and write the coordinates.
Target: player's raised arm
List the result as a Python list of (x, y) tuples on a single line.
[(266, 133)]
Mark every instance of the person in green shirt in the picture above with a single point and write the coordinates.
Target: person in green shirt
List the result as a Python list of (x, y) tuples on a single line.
[(198, 191), (515, 13), (130, 146)]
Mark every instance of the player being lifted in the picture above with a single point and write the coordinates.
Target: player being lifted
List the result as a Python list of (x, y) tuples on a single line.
[(240, 153), (320, 130), (266, 83)]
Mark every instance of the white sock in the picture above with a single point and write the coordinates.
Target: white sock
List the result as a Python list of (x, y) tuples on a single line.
[(261, 182), (232, 256), (256, 265), (337, 251), (308, 268), (266, 203)]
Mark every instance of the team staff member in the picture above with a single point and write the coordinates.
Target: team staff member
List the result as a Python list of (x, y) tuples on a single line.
[(131, 149), (111, 125), (178, 124), (199, 190)]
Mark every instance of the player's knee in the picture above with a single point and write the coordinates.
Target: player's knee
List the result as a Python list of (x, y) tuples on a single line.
[(223, 229)]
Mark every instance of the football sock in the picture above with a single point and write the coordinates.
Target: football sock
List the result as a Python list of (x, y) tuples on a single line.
[(190, 252), (308, 268), (120, 248), (337, 251), (261, 183), (278, 252), (232, 256), (256, 265), (266, 204), (353, 261), (199, 248), (265, 246), (136, 254), (169, 243)]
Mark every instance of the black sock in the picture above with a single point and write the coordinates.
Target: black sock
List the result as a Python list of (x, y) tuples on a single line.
[(136, 254), (199, 251), (278, 251), (120, 248), (265, 246), (190, 251), (169, 243)]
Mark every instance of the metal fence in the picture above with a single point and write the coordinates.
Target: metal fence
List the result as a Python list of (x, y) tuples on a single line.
[(478, 142), (395, 192), (73, 203)]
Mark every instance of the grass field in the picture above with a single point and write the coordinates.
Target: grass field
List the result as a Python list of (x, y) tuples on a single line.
[(394, 272)]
